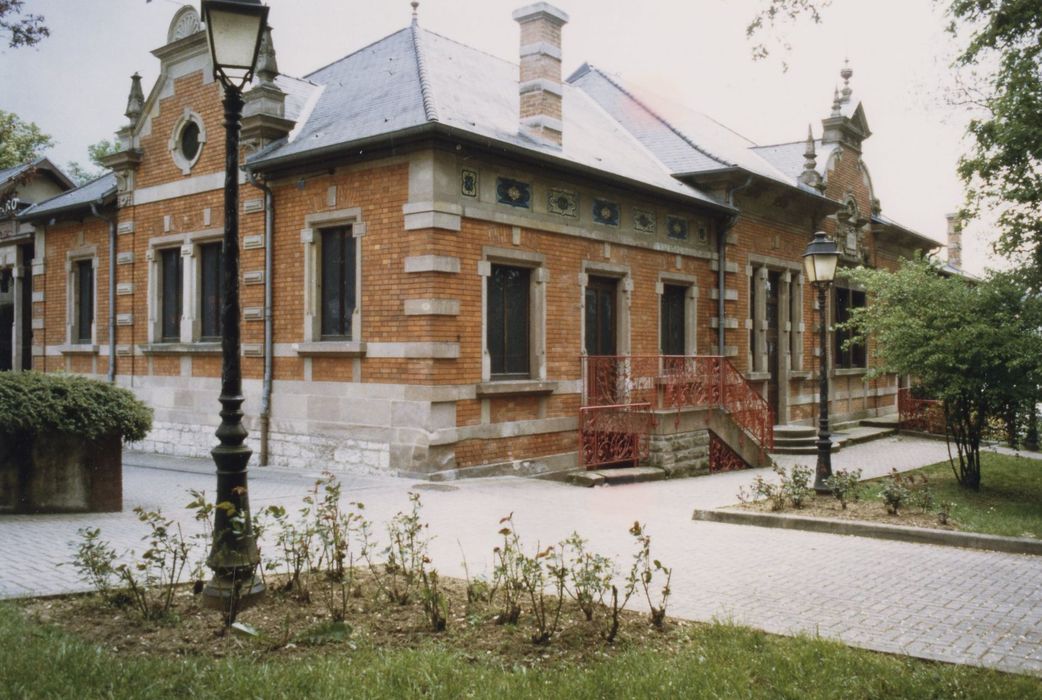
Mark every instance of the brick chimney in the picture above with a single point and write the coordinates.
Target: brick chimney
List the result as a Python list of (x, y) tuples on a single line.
[(954, 240), (540, 84)]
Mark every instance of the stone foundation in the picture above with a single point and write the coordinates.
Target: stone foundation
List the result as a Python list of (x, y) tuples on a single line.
[(680, 454)]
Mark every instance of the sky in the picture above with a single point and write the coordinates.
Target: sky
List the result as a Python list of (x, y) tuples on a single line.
[(74, 84)]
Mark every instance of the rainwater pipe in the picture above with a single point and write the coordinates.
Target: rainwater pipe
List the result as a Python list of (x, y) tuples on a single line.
[(112, 287), (721, 270), (269, 227)]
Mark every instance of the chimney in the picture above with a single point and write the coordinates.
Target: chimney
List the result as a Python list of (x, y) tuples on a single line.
[(954, 240), (540, 84)]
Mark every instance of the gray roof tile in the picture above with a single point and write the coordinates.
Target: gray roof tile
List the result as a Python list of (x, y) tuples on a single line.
[(80, 197)]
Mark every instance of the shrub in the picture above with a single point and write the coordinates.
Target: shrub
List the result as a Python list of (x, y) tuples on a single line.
[(797, 484), (769, 491), (944, 512), (32, 403), (152, 580), (589, 574), (894, 492), (643, 571), (920, 494), (94, 561), (845, 486), (507, 572)]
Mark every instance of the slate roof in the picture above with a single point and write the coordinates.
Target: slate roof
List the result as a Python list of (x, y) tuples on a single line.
[(95, 191), (788, 157), (415, 78), (9, 174), (890, 223)]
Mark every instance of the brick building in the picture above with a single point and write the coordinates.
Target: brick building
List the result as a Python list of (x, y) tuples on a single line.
[(436, 242)]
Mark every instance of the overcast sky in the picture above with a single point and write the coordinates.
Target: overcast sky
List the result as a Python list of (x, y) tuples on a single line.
[(74, 85)]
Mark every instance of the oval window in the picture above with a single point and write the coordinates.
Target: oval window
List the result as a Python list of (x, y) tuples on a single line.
[(190, 141)]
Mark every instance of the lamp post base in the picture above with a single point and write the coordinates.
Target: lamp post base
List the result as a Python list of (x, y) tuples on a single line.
[(232, 592)]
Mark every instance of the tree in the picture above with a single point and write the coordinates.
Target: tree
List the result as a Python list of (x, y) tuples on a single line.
[(95, 152), (977, 347), (22, 29), (20, 141)]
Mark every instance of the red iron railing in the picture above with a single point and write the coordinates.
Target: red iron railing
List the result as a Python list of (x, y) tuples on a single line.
[(614, 435), (675, 382), (922, 415)]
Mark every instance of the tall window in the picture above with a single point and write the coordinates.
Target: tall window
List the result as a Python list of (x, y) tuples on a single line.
[(84, 300), (672, 318), (171, 275), (853, 356), (211, 290), (338, 282), (508, 322)]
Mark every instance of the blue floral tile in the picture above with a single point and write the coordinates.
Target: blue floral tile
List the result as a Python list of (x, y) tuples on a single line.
[(562, 202), (469, 183), (513, 192), (644, 220), (676, 227), (605, 212)]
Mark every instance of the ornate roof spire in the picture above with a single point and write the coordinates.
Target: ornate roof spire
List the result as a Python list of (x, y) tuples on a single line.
[(136, 99), (837, 104), (810, 175), (267, 66), (846, 74), (415, 14)]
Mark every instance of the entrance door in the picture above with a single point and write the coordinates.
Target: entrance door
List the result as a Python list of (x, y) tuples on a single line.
[(773, 285), (601, 329)]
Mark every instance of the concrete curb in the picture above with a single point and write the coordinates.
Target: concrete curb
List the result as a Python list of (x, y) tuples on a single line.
[(832, 526)]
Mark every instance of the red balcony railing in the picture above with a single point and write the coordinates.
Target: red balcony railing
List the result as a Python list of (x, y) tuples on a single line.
[(922, 415), (675, 382), (614, 435)]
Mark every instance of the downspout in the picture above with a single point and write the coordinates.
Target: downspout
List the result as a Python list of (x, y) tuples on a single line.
[(112, 288), (721, 271), (269, 227)]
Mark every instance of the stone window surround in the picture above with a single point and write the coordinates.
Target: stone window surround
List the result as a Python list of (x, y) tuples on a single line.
[(536, 262), (174, 144), (191, 321), (72, 257), (624, 299), (690, 307), (311, 239), (845, 283), (790, 314)]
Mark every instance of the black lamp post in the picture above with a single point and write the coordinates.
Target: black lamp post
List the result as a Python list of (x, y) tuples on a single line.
[(819, 263), (233, 28)]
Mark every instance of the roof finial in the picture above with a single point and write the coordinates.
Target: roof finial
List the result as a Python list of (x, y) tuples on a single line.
[(836, 103), (415, 6), (809, 155), (136, 99), (846, 74), (267, 66)]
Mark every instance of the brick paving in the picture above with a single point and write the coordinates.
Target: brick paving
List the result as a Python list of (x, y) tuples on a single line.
[(934, 602)]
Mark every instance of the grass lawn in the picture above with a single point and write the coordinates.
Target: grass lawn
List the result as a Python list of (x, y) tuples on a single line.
[(1009, 501), (714, 661)]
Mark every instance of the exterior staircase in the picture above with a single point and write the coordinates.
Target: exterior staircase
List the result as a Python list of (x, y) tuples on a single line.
[(801, 439)]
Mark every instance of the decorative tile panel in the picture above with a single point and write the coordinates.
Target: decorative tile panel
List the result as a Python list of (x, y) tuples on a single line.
[(469, 183), (703, 234), (676, 227), (644, 220), (605, 212), (513, 192), (563, 202)]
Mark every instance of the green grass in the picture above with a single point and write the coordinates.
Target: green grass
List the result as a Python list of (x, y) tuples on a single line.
[(719, 661), (1009, 502)]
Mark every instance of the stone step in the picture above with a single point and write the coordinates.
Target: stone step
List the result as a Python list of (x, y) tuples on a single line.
[(619, 476), (795, 431), (811, 449), (891, 421)]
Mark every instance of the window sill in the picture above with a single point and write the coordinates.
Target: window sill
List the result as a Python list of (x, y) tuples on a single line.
[(850, 371), (514, 387), (79, 349), (180, 349), (331, 348), (802, 374), (758, 376)]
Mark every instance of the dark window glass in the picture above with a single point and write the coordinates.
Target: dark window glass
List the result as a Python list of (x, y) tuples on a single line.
[(600, 316), (170, 293), (211, 290), (84, 300), (673, 320), (338, 282), (508, 321), (752, 315), (855, 355), (190, 140)]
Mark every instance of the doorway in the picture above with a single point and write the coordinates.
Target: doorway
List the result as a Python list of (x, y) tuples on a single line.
[(773, 353), (601, 316)]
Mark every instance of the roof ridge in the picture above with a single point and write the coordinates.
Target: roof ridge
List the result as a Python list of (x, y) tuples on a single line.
[(430, 107), (346, 56), (468, 46), (656, 115)]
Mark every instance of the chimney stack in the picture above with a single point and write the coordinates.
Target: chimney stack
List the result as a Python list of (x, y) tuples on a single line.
[(540, 84), (954, 240)]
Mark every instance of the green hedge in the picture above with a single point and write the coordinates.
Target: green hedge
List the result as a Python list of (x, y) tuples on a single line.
[(32, 403)]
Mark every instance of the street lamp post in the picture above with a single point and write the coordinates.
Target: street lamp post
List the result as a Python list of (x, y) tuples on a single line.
[(819, 263), (234, 29)]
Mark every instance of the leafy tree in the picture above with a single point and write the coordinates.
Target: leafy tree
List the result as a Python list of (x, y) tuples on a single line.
[(21, 28), (95, 152), (20, 141), (976, 347)]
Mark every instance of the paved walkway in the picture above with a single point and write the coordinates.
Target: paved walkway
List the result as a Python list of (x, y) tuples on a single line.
[(934, 602)]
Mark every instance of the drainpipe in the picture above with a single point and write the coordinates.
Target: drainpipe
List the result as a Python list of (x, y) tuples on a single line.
[(722, 259), (269, 227), (112, 288)]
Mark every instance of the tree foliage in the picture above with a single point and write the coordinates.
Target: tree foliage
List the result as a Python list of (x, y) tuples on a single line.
[(21, 28), (82, 174), (976, 347), (20, 141)]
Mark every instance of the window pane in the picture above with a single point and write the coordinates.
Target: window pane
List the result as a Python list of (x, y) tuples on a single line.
[(338, 282), (673, 320), (508, 335), (211, 290), (84, 300), (171, 291)]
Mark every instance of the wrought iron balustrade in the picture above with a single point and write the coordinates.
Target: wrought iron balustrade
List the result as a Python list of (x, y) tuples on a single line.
[(922, 415)]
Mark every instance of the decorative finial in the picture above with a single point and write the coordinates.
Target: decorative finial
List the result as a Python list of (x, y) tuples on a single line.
[(846, 74), (136, 99), (836, 103), (267, 66), (810, 157), (415, 6)]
